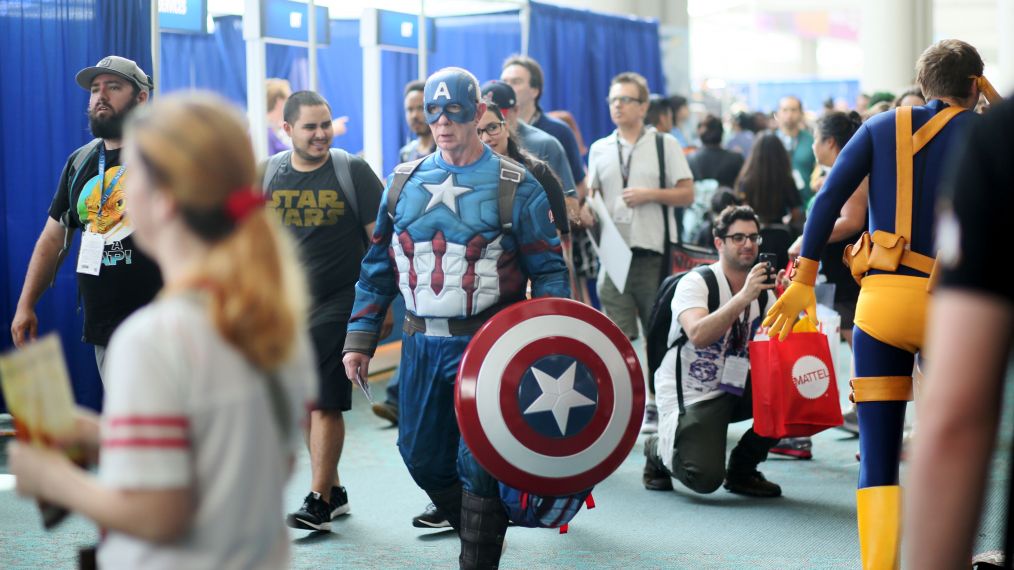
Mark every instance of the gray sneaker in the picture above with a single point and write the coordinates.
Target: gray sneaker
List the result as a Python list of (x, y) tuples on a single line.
[(851, 420)]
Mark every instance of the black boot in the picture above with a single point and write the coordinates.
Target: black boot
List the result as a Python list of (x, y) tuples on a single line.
[(742, 476), (448, 500), (483, 526)]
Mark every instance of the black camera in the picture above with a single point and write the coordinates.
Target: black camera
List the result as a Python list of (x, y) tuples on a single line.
[(770, 260)]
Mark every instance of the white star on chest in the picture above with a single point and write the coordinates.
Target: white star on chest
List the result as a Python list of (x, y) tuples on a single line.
[(445, 193), (558, 396)]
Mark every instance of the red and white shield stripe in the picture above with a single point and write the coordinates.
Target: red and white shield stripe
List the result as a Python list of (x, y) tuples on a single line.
[(490, 415)]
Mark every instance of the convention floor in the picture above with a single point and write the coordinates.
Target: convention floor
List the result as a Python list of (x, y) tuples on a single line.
[(812, 526)]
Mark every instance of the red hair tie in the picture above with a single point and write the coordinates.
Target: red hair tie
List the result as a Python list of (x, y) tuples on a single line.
[(241, 203)]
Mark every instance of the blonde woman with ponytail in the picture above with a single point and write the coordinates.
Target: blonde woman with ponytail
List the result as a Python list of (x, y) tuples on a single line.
[(207, 386)]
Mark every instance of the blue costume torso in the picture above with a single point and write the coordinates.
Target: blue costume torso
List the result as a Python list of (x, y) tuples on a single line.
[(450, 256), (871, 151)]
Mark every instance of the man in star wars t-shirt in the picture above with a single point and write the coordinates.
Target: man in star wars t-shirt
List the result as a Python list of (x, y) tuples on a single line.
[(114, 277)]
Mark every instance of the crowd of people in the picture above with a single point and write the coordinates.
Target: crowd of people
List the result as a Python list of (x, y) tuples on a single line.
[(212, 326)]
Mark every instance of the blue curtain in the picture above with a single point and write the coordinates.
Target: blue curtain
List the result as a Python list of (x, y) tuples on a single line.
[(479, 43), (217, 61), (42, 120), (580, 52)]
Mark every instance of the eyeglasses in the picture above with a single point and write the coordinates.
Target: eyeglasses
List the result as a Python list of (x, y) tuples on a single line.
[(738, 239), (492, 129), (623, 100)]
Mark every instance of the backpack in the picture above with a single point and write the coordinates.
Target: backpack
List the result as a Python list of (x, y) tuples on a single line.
[(537, 511), (512, 175), (657, 336), (342, 170)]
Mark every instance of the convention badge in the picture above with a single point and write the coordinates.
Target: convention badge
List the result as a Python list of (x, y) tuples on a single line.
[(621, 213), (734, 375), (89, 259)]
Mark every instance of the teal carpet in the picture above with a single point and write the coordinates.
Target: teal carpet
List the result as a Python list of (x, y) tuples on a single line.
[(812, 526)]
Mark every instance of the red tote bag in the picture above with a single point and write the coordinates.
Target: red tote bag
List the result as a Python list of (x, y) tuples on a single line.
[(795, 391)]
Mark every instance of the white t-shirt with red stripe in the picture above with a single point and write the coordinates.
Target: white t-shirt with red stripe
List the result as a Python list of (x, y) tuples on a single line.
[(184, 408)]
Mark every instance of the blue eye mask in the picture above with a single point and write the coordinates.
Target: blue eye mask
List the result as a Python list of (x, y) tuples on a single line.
[(452, 93)]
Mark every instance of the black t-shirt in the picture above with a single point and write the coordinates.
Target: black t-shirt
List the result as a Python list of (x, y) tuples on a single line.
[(716, 164), (554, 193), (331, 237), (128, 279), (977, 205)]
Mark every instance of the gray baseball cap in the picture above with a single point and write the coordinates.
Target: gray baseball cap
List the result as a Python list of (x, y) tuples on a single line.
[(125, 68)]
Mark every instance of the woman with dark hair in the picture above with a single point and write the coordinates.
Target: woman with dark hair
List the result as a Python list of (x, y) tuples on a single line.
[(494, 132), (766, 185)]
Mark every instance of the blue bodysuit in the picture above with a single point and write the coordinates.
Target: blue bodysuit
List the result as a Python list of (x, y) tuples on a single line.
[(445, 252)]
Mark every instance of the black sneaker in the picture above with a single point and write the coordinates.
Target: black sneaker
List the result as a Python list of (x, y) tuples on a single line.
[(752, 485), (315, 514), (386, 410), (655, 477), (432, 517), (339, 502)]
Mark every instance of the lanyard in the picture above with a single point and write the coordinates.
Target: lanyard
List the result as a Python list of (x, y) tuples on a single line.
[(102, 179), (625, 167), (739, 333)]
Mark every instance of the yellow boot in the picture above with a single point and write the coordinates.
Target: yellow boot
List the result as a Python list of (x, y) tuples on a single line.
[(878, 510)]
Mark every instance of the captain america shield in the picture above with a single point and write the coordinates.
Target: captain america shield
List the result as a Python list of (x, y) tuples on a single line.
[(550, 396)]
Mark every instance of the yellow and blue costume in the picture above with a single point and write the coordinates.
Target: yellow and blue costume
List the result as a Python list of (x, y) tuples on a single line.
[(903, 153)]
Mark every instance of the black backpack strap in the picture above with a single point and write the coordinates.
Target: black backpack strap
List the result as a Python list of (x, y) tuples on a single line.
[(402, 173), (711, 280), (343, 171), (511, 176), (81, 155), (271, 168), (667, 242)]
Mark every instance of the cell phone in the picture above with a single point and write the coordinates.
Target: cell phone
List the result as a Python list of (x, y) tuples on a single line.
[(770, 260)]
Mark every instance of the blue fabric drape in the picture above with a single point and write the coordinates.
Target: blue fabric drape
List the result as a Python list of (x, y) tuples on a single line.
[(42, 120), (479, 43), (581, 51), (217, 61)]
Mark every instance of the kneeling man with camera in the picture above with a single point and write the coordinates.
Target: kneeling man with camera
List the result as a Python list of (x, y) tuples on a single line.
[(703, 384)]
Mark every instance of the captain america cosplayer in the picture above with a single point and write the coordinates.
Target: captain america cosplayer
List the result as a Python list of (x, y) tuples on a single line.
[(903, 152), (446, 244)]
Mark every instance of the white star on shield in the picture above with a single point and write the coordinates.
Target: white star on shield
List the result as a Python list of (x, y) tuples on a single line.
[(445, 193), (558, 396)]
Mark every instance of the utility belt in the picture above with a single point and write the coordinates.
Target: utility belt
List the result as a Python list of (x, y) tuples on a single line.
[(885, 251), (434, 326)]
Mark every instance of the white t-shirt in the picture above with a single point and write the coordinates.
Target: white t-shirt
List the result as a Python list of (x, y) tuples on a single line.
[(185, 409), (702, 366), (640, 226)]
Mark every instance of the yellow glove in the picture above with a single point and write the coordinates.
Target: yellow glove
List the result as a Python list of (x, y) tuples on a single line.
[(797, 298)]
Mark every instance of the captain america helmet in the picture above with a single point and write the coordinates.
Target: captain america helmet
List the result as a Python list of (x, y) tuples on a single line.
[(452, 91)]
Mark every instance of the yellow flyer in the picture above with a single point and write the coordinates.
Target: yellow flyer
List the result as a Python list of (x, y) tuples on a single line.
[(36, 387)]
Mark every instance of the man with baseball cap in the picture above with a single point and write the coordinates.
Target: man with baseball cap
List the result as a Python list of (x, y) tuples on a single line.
[(442, 218), (535, 141), (114, 277)]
